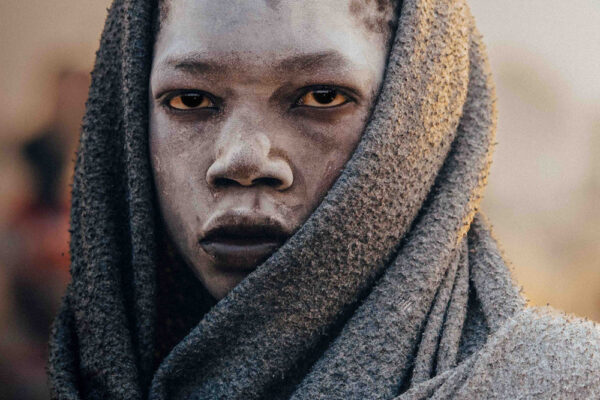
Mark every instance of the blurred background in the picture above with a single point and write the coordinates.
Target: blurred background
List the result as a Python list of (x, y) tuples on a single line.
[(542, 197)]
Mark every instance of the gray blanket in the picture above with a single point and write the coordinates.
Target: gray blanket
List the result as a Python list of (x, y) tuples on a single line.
[(392, 289)]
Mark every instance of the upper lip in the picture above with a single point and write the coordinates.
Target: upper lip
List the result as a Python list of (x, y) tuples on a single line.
[(244, 226)]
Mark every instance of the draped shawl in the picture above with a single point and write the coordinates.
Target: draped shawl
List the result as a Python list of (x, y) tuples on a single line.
[(392, 289)]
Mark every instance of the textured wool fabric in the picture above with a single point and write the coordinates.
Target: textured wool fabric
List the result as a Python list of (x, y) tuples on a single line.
[(392, 289)]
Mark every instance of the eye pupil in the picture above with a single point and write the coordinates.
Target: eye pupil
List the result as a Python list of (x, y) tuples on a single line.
[(324, 96), (192, 99)]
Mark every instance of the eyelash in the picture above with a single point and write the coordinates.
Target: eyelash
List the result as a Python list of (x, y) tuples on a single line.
[(170, 96), (340, 90), (296, 103)]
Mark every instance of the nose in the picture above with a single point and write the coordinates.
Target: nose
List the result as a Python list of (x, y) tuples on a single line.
[(248, 160)]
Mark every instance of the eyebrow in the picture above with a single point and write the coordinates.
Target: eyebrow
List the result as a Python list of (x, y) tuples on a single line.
[(306, 63), (312, 62), (193, 63)]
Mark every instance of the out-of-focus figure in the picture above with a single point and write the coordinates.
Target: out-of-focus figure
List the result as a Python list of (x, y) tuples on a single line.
[(35, 253)]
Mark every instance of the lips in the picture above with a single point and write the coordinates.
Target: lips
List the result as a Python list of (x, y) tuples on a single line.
[(242, 242)]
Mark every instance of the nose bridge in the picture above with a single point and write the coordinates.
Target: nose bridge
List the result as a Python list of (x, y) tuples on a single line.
[(245, 155), (246, 145), (243, 133)]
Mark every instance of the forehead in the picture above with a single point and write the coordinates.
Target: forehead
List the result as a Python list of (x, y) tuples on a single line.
[(266, 31)]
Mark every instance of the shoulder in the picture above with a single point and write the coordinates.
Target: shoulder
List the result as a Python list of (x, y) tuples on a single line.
[(568, 344), (541, 353)]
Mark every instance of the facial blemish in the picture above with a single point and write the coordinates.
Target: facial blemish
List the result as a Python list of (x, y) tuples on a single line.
[(273, 4), (376, 15)]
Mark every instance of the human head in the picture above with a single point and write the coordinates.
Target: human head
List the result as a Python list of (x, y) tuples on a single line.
[(255, 107)]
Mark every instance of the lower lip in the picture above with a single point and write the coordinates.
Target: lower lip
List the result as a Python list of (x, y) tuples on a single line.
[(239, 255)]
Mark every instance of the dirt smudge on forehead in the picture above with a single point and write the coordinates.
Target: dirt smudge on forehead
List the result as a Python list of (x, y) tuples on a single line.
[(377, 16), (273, 4)]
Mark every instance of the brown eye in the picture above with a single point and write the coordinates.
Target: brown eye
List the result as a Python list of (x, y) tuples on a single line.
[(323, 98), (189, 101)]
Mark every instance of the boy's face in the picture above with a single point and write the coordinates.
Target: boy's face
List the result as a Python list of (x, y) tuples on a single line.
[(255, 106)]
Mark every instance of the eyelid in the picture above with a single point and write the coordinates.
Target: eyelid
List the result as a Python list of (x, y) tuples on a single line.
[(165, 99), (341, 90)]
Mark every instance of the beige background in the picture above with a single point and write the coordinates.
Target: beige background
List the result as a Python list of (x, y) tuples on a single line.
[(544, 189)]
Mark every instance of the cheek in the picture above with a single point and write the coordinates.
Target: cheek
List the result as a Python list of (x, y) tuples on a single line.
[(325, 150), (180, 151), (180, 158)]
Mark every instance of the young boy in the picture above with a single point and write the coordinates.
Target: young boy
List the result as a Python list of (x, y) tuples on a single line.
[(278, 199)]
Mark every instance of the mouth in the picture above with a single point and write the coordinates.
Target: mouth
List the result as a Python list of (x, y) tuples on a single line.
[(242, 242)]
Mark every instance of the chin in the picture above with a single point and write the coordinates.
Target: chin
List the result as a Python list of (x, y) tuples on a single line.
[(220, 282)]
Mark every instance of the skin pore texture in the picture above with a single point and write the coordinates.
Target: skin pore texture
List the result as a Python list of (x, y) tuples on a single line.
[(255, 107)]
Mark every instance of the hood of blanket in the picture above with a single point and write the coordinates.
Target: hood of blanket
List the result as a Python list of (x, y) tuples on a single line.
[(301, 295)]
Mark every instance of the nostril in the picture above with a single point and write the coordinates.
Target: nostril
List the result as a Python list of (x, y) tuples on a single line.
[(267, 181), (225, 182), (222, 182), (233, 171)]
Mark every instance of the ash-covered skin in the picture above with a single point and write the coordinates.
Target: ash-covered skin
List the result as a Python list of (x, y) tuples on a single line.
[(277, 157), (377, 15)]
